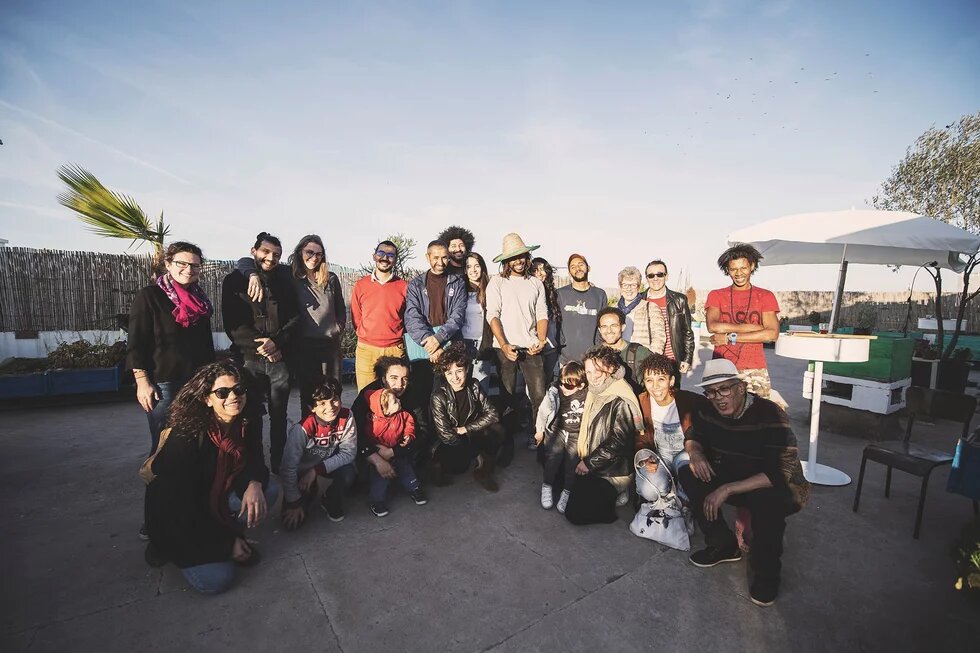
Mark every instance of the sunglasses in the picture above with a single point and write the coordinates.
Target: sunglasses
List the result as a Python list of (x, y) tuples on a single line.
[(222, 393), (656, 275), (571, 386), (309, 253), (722, 391), (391, 256)]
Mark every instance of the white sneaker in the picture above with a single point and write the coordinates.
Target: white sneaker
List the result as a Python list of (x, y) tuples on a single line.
[(547, 499), (622, 499), (563, 501)]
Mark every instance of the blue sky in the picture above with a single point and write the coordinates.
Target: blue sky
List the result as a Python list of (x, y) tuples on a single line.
[(626, 131)]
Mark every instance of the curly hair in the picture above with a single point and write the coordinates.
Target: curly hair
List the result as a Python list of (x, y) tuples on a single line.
[(382, 364), (329, 389), (605, 357), (189, 414), (454, 354), (737, 251), (550, 292), (657, 364), (455, 232)]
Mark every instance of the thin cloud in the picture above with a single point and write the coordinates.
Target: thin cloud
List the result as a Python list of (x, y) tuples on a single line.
[(108, 148)]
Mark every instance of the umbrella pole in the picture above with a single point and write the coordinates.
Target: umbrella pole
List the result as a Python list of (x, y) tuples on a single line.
[(839, 296)]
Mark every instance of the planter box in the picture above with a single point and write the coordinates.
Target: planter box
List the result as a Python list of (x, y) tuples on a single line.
[(889, 359), (71, 382), (17, 386)]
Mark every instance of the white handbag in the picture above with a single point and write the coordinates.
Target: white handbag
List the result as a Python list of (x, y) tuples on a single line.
[(664, 520)]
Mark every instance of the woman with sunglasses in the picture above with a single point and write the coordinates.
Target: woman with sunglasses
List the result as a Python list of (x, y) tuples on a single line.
[(557, 427), (207, 482), (322, 314)]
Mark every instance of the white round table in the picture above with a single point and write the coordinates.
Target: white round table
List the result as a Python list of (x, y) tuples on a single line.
[(821, 348)]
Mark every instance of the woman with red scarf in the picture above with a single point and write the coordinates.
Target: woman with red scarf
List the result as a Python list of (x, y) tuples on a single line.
[(207, 482)]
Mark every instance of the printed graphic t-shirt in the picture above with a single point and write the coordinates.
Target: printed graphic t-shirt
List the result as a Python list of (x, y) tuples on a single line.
[(578, 317), (742, 307)]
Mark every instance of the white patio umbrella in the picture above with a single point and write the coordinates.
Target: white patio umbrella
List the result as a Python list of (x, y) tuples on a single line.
[(859, 236), (856, 236)]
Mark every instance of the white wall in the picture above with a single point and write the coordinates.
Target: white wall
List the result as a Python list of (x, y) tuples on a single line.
[(46, 341)]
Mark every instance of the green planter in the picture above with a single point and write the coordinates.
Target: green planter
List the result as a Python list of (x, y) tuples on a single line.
[(889, 359)]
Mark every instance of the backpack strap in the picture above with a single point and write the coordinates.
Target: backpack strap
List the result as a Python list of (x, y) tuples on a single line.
[(631, 350)]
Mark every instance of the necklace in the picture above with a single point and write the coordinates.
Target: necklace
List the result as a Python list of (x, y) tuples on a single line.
[(731, 303)]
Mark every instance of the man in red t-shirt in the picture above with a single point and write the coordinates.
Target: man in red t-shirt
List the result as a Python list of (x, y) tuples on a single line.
[(741, 317)]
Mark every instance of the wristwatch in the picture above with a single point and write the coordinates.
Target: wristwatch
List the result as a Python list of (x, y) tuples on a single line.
[(732, 338)]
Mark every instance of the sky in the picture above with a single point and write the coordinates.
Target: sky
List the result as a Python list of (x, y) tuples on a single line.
[(623, 131)]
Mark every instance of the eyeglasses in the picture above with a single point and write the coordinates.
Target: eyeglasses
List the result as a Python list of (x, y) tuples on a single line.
[(183, 265), (309, 253), (721, 391), (656, 275), (571, 386), (391, 256), (222, 393), (630, 285)]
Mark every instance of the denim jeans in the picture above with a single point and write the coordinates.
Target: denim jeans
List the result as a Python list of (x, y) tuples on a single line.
[(156, 417), (272, 384), (404, 470), (216, 577)]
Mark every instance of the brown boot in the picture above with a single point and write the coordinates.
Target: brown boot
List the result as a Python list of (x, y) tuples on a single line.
[(484, 474), (438, 476)]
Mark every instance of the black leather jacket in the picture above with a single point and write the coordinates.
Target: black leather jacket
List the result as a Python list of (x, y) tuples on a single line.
[(443, 406), (614, 456), (681, 333)]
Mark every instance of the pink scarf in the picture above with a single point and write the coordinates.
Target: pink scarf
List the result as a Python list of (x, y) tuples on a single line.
[(190, 302)]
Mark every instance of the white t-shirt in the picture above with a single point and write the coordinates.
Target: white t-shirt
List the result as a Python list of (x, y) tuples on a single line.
[(668, 435), (473, 323)]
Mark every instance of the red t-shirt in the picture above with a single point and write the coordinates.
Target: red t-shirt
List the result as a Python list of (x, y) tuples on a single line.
[(742, 307)]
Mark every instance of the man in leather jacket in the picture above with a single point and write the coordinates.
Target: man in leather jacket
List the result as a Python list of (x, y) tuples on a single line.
[(680, 336)]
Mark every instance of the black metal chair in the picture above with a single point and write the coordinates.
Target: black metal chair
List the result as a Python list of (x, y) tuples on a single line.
[(912, 458)]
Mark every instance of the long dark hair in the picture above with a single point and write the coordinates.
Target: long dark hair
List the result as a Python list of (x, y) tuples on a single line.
[(322, 274), (189, 414), (481, 287), (550, 292)]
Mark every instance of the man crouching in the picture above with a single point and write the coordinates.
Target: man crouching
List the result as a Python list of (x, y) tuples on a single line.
[(744, 453)]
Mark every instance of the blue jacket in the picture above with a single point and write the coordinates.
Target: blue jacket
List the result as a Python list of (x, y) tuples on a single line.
[(417, 309)]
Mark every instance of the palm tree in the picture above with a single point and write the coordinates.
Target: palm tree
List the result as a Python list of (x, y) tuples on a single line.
[(107, 213)]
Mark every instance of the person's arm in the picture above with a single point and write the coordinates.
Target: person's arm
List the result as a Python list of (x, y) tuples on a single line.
[(618, 442), (712, 316), (441, 420), (700, 466), (355, 306), (416, 321), (455, 310), (237, 314), (347, 450), (287, 309), (139, 351), (768, 331), (488, 413), (541, 321), (547, 410), (603, 302), (340, 307), (686, 319), (292, 454)]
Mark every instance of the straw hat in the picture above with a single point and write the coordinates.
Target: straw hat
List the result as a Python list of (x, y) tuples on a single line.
[(513, 246), (718, 370)]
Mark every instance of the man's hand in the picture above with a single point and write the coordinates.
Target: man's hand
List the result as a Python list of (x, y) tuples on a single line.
[(307, 479), (713, 502), (536, 348), (406, 440), (581, 469), (254, 288), (387, 453), (701, 468), (293, 518), (147, 394), (274, 357), (685, 367), (510, 352), (718, 339), (460, 430), (254, 507), (434, 357), (430, 344), (539, 437), (267, 347), (382, 466)]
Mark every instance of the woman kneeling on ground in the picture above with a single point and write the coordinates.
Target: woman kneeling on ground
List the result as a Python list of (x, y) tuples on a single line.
[(610, 421), (207, 481), (667, 416), (466, 423)]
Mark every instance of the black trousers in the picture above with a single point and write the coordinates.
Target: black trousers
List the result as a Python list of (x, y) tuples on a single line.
[(592, 501), (532, 367), (457, 458), (315, 359), (769, 508)]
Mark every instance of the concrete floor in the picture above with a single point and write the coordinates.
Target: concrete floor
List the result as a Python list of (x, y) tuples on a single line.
[(470, 571)]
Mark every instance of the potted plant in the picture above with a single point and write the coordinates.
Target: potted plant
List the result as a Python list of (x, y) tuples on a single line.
[(348, 348), (924, 357), (954, 371), (81, 366), (866, 320), (22, 377), (814, 318), (966, 552)]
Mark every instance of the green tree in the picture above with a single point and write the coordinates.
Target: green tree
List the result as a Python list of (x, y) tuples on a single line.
[(108, 213), (940, 177)]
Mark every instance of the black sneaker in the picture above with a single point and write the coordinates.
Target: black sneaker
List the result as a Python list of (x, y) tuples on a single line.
[(379, 509), (334, 511), (763, 591), (153, 557), (143, 535), (419, 497), (711, 556)]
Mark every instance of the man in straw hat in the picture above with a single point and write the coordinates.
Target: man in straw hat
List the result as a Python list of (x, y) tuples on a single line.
[(518, 316), (743, 453)]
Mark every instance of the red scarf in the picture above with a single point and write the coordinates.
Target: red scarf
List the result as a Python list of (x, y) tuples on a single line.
[(231, 460)]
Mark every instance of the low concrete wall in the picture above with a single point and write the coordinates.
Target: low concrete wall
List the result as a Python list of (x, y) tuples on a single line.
[(46, 341)]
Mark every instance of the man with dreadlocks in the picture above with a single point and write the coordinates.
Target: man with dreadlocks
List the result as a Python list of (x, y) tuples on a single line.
[(460, 242)]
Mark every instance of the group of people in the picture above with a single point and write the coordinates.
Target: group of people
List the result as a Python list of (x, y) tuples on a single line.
[(436, 364)]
